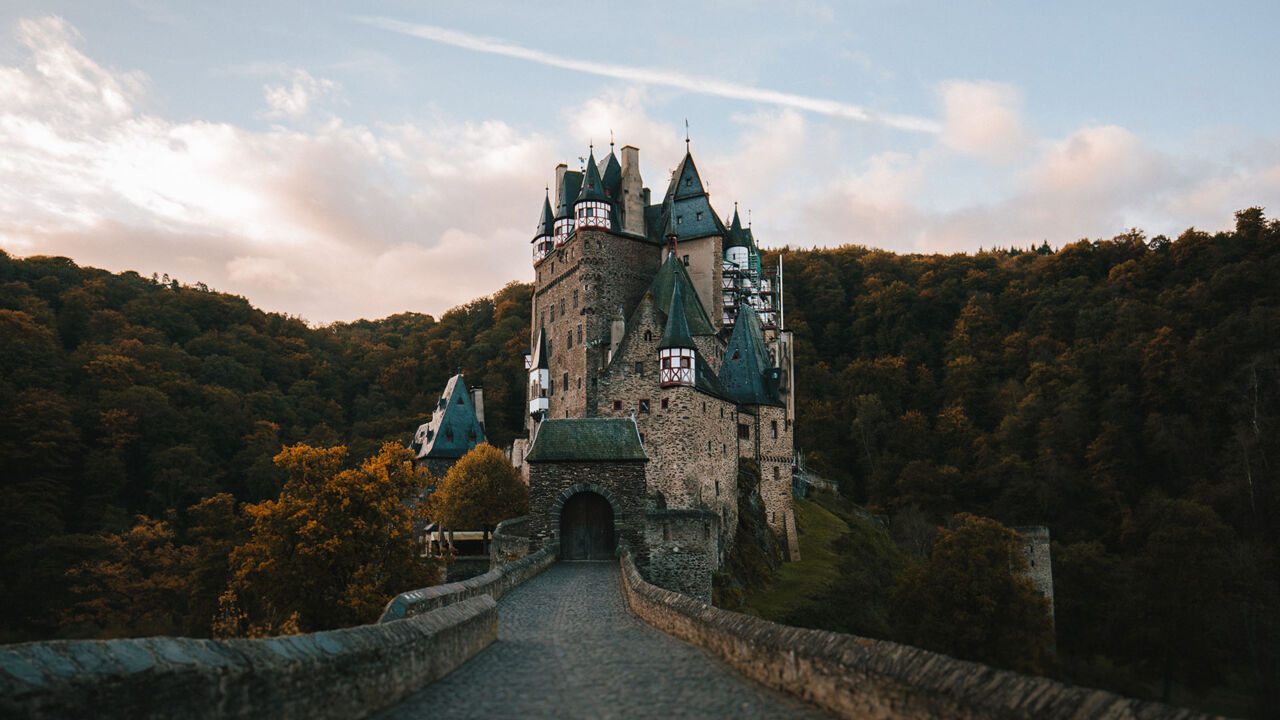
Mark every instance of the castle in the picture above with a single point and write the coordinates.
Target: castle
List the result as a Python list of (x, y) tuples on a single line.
[(659, 359)]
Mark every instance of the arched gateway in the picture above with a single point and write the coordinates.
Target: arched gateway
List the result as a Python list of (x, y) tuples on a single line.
[(586, 528)]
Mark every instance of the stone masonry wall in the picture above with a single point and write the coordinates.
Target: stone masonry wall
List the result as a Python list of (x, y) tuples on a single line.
[(774, 453), (494, 584), (509, 541), (684, 550), (855, 677), (622, 483), (347, 673), (1038, 559), (690, 443), (706, 271)]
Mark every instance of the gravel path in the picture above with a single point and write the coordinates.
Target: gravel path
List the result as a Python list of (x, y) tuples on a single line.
[(569, 648)]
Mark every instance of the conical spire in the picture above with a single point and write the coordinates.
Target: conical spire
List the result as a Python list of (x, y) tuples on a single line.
[(592, 187), (539, 360), (546, 223), (676, 334), (736, 237), (611, 175)]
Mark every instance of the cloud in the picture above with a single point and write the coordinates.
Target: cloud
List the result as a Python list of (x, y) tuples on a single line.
[(653, 76), (338, 222), (296, 100), (983, 119)]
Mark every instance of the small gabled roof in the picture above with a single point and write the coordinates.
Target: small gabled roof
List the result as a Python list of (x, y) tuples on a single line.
[(570, 439), (592, 187), (746, 362), (453, 428), (539, 359), (568, 194), (673, 273), (611, 175), (676, 333), (546, 223)]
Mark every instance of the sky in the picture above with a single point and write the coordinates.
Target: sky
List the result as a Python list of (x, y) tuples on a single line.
[(340, 161)]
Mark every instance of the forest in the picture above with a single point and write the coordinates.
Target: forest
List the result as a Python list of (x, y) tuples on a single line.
[(1124, 393)]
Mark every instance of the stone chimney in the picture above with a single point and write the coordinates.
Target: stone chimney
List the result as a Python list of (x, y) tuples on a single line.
[(561, 169), (616, 329), (632, 201), (477, 399)]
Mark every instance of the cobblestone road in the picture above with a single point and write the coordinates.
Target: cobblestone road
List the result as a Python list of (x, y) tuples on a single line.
[(569, 648)]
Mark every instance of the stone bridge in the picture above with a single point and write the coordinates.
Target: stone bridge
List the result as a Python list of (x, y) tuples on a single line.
[(536, 638)]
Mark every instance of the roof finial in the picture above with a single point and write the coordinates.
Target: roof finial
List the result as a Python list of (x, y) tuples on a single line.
[(686, 134), (611, 140), (748, 218)]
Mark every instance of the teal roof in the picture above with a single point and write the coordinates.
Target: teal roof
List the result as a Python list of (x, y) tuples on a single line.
[(673, 273), (685, 181), (568, 194), (676, 334), (611, 175), (570, 439), (592, 187), (453, 429), (747, 372), (736, 237), (546, 223)]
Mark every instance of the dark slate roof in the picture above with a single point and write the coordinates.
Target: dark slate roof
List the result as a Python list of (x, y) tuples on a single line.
[(685, 181), (539, 359), (611, 175), (586, 439), (736, 236), (453, 429), (746, 368), (669, 275), (676, 333), (546, 223), (592, 187), (568, 194)]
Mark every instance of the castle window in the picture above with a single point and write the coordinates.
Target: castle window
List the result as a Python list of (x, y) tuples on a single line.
[(641, 438), (561, 306), (774, 426), (549, 344), (648, 335), (688, 182), (679, 219), (579, 334), (717, 487), (664, 403), (721, 412), (699, 214), (735, 354), (617, 404), (639, 368), (553, 312), (775, 472), (744, 431), (644, 405), (704, 407), (575, 299), (448, 434), (586, 244), (459, 401), (568, 341), (565, 382), (724, 449), (708, 446), (685, 260), (579, 383)]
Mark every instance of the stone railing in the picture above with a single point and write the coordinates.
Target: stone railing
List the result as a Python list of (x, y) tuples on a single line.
[(857, 677), (347, 673), (509, 541), (494, 583)]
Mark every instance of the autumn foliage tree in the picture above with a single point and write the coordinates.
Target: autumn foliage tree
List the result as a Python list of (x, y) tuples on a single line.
[(973, 600), (332, 549), (481, 490)]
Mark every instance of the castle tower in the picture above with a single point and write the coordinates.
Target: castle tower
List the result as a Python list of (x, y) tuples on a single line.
[(539, 380), (593, 208), (677, 355), (543, 237)]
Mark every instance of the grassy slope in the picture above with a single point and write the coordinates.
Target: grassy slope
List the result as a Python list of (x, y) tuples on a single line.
[(795, 582)]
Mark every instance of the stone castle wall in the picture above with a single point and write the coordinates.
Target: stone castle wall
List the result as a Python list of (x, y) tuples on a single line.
[(1039, 561), (622, 483), (771, 440), (706, 272), (684, 550)]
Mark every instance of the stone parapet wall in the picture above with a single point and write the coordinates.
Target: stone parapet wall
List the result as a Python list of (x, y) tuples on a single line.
[(494, 584), (509, 541), (347, 673), (855, 677)]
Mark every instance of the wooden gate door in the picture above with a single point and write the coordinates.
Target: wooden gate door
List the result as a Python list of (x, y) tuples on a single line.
[(586, 528)]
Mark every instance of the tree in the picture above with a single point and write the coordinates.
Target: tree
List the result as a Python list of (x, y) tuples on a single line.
[(333, 548), (972, 599), (481, 490)]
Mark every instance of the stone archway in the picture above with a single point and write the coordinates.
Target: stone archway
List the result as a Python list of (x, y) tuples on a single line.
[(587, 517)]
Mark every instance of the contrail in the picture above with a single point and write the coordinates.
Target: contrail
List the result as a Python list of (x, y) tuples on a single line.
[(649, 76)]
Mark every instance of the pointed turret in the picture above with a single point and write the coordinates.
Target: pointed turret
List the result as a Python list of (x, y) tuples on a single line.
[(677, 355), (543, 239), (593, 207), (748, 373), (611, 175)]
